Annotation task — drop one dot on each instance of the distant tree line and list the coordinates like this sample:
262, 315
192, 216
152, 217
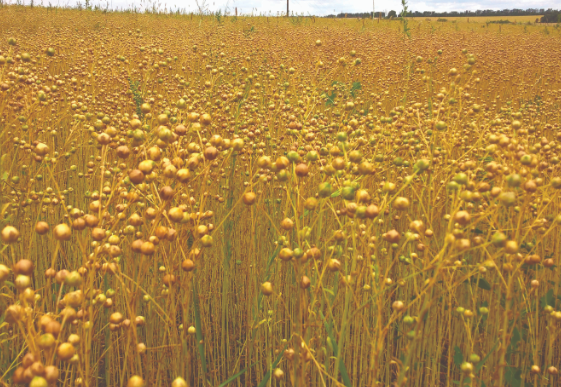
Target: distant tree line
549, 15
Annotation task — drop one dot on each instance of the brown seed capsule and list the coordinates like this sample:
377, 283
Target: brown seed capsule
334, 265
10, 234
147, 248
180, 130
98, 234
282, 163
372, 211
42, 228
136, 245
249, 198
38, 368
305, 282
169, 279
187, 265
51, 374
68, 315
210, 153
398, 306
24, 266
401, 203
62, 232
267, 288
28, 360
278, 374
286, 254
65, 351
301, 170
13, 314
462, 217
17, 377
136, 176
91, 220
179, 382
392, 236
287, 224
135, 381
314, 253
167, 193
535, 369
4, 272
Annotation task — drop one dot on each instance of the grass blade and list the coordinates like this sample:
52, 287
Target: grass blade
198, 327
274, 365
234, 377
342, 368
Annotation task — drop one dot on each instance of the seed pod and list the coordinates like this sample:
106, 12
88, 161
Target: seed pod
179, 382
65, 351
42, 228
62, 232
267, 288
24, 266
401, 203
135, 381
249, 198
10, 234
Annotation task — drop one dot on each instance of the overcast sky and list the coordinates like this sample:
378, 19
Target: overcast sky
325, 7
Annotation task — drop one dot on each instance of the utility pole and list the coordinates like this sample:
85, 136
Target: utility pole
287, 10
373, 8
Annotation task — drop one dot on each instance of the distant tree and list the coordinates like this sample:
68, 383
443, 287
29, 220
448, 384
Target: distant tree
392, 13
551, 16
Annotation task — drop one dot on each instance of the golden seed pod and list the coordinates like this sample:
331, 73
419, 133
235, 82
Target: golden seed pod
249, 198
24, 266
4, 272
401, 203
287, 224
334, 265
135, 381
187, 265
41, 228
179, 382
65, 351
267, 288
13, 314
62, 232
10, 234
38, 381
398, 306
278, 374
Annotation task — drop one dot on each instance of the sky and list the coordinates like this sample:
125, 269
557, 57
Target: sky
325, 7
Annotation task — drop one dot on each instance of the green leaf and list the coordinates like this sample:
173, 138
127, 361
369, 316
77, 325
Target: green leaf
356, 86
458, 357
512, 376
328, 291
342, 368
548, 299
234, 377
484, 284
336, 193
514, 340
5, 176
198, 327
480, 365
267, 376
